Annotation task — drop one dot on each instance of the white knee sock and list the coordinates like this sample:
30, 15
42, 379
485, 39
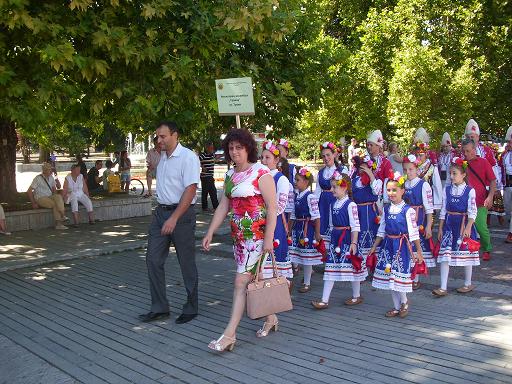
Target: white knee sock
468, 272
396, 299
403, 297
356, 289
328, 285
308, 270
417, 278
445, 269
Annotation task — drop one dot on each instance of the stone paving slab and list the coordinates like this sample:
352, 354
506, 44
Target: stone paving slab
80, 317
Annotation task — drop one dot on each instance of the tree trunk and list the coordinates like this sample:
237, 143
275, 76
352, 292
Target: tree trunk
25, 149
43, 154
8, 141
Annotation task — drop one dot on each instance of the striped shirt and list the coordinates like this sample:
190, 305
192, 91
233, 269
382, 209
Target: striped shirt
207, 164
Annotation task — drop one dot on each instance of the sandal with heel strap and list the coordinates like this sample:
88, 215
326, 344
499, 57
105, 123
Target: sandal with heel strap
223, 343
267, 328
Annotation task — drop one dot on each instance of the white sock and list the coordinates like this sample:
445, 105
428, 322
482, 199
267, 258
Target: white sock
328, 285
445, 269
468, 272
308, 270
396, 299
417, 279
356, 289
403, 297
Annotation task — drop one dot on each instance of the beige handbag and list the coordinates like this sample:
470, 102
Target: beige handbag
269, 296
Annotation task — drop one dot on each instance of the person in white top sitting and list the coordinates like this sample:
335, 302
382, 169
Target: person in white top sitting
74, 191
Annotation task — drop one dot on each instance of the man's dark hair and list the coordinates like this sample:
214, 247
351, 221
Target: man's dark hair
109, 164
98, 162
173, 127
245, 138
467, 141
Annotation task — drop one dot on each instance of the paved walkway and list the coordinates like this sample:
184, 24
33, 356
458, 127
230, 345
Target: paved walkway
75, 321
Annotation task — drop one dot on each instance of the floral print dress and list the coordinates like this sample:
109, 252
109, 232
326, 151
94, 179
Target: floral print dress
247, 215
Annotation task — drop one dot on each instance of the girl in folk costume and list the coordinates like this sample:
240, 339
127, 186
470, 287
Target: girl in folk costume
418, 195
305, 227
456, 227
366, 189
427, 167
506, 172
284, 150
400, 247
270, 158
343, 245
323, 189
444, 159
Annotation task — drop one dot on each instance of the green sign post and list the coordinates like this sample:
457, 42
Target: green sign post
235, 97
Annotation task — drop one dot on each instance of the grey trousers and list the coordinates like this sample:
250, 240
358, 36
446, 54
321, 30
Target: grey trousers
183, 239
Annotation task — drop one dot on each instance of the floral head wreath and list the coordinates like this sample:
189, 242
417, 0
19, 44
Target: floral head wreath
460, 162
422, 147
284, 143
369, 162
411, 159
305, 172
329, 145
269, 146
396, 176
337, 177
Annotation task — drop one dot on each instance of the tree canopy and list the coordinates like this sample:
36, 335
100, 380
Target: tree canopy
322, 69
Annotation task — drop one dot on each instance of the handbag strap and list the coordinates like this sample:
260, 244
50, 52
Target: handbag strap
477, 175
258, 268
42, 177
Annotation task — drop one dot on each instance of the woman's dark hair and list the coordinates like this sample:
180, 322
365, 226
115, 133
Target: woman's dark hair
245, 138
284, 167
335, 153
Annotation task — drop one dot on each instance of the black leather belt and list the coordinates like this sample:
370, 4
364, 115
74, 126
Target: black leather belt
171, 207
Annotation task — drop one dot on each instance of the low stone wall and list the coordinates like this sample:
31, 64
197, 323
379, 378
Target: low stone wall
105, 209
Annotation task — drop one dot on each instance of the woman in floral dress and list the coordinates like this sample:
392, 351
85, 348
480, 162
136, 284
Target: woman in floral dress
250, 198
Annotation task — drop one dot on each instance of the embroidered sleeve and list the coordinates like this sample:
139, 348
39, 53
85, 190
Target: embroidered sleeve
313, 206
282, 194
472, 208
353, 217
412, 226
442, 214
427, 197
376, 186
291, 199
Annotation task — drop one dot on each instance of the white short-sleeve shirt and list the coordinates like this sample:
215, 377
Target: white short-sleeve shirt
41, 188
175, 173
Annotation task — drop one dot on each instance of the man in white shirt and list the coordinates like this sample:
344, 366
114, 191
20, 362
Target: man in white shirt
43, 192
174, 221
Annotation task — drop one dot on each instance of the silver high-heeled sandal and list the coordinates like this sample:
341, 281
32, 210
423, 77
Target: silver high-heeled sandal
223, 343
267, 327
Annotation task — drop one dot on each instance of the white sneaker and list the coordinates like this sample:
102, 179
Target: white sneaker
60, 226
5, 233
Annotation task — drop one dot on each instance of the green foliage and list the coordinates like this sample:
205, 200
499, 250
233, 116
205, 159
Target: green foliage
412, 63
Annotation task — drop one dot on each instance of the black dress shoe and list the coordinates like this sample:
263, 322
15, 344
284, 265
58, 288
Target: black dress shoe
184, 318
152, 316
